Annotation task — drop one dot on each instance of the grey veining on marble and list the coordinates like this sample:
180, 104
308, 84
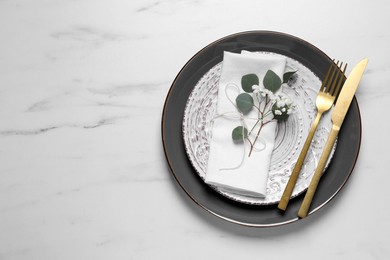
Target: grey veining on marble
82, 169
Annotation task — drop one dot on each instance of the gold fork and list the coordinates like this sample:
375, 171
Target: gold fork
329, 91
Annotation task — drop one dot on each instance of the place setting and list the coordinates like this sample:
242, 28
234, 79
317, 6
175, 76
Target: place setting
262, 128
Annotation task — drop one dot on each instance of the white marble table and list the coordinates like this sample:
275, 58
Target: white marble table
82, 169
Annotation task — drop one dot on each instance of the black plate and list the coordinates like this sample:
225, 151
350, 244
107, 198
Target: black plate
333, 180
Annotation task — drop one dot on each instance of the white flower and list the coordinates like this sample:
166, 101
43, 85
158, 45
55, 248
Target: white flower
283, 109
273, 97
256, 88
263, 91
278, 112
268, 92
280, 103
288, 101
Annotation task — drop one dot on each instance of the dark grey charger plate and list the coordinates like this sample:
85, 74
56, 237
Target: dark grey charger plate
336, 174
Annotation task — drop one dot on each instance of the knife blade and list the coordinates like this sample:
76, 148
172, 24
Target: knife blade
340, 110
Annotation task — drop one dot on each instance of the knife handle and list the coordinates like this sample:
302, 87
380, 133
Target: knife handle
298, 166
304, 209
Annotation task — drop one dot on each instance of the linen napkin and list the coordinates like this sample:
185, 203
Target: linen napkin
251, 175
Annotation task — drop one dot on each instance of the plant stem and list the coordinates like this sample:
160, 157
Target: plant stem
262, 115
257, 136
258, 120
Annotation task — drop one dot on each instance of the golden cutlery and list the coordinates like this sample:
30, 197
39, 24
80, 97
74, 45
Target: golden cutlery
328, 93
342, 105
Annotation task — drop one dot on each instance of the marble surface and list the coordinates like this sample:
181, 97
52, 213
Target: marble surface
82, 169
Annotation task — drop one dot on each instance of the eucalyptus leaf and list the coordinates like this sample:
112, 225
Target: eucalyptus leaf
244, 102
247, 81
239, 133
272, 81
288, 75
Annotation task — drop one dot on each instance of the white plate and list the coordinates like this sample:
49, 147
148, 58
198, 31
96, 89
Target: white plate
302, 88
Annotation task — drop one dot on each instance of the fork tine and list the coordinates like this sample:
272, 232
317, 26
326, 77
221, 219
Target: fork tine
340, 80
333, 78
326, 79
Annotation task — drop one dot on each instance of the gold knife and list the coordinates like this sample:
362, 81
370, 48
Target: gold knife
340, 110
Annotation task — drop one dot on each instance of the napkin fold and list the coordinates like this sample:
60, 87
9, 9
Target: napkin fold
228, 168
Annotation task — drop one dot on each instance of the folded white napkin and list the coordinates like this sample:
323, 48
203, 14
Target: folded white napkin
250, 178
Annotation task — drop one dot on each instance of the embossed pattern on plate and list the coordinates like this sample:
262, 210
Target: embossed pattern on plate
302, 88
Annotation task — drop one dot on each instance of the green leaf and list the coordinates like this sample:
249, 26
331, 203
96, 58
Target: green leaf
247, 81
244, 102
288, 75
239, 133
272, 81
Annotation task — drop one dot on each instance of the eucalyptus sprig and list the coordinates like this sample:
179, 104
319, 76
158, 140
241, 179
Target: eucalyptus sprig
264, 98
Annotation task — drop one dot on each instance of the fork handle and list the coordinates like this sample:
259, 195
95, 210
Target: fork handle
304, 209
298, 165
